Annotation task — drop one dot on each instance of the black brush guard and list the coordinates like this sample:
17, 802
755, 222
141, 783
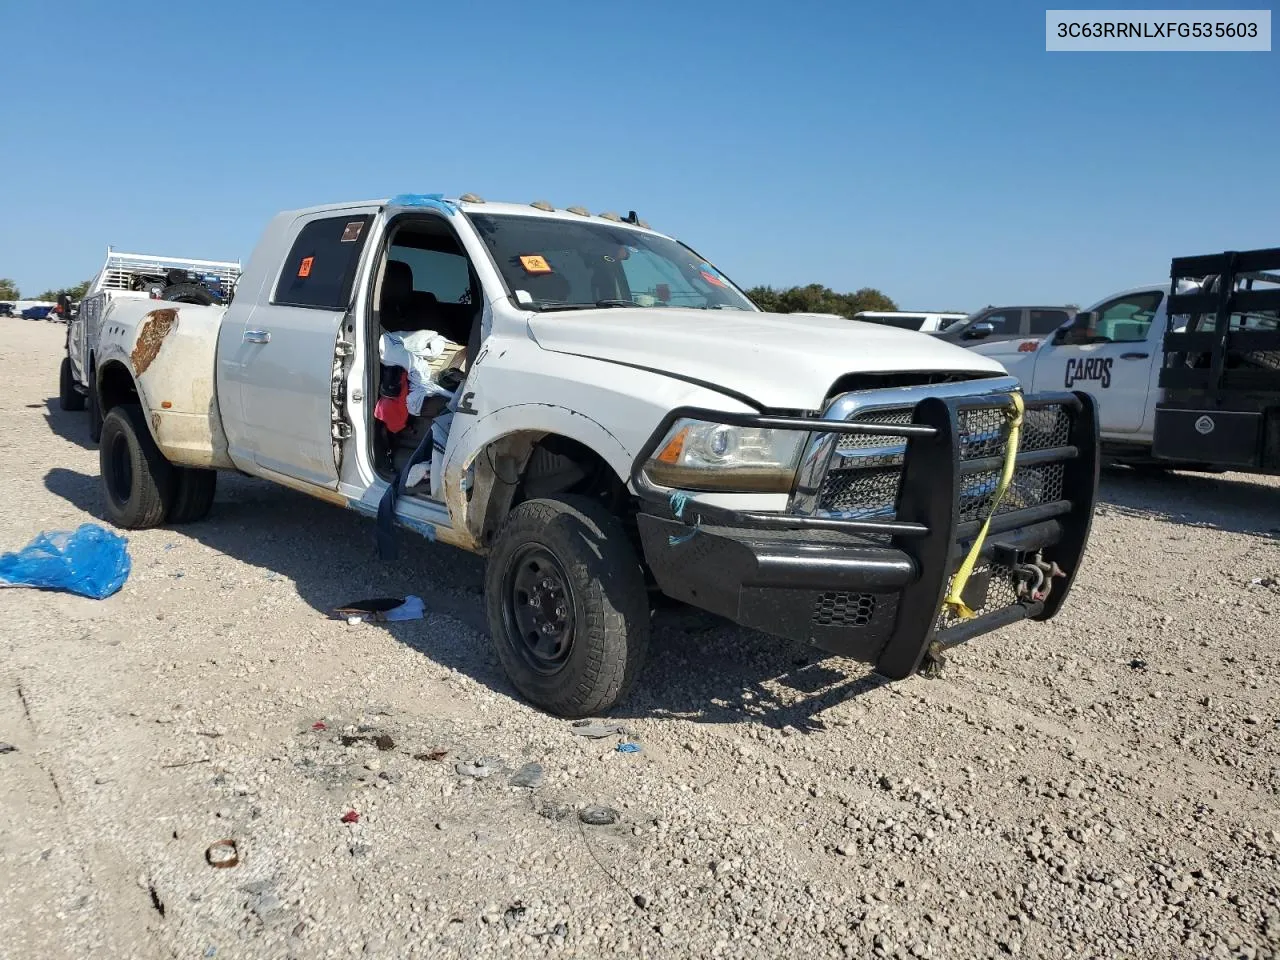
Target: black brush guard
873, 590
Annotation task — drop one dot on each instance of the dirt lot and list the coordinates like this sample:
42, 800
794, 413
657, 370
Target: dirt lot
1104, 786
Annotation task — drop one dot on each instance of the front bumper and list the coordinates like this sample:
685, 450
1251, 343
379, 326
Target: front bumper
873, 590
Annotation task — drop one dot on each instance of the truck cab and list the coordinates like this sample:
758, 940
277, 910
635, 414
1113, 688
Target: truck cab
606, 417
1113, 351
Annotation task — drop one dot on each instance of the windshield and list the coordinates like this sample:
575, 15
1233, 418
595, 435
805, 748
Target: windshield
555, 264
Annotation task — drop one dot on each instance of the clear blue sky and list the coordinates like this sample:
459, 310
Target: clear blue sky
932, 150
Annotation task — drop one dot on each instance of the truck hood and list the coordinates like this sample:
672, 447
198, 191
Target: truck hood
782, 361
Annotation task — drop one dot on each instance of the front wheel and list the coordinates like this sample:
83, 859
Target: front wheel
567, 605
138, 483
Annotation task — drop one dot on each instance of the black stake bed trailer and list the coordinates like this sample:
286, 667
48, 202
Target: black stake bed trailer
1220, 378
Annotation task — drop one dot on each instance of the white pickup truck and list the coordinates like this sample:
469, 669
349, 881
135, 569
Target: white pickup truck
615, 420
137, 276
1118, 351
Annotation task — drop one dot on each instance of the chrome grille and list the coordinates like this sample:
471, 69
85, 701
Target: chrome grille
862, 479
897, 417
1030, 486
861, 493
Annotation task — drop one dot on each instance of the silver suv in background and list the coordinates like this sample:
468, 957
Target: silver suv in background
991, 324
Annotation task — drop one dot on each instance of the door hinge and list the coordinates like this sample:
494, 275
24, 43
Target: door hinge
341, 430
344, 349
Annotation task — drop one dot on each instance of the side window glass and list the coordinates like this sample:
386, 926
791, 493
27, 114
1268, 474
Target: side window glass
321, 267
1006, 322
1044, 322
443, 275
1128, 319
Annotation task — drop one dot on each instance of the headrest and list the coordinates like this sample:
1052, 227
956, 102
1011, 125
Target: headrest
397, 281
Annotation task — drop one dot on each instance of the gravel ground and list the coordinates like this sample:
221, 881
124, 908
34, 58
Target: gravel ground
1107, 785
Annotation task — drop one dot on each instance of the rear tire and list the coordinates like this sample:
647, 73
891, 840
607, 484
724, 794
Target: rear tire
138, 483
69, 398
188, 293
193, 497
567, 605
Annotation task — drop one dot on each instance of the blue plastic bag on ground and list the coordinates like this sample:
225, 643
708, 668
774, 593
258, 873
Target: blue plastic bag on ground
91, 562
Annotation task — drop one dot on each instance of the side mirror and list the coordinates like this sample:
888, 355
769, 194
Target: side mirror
1083, 329
979, 331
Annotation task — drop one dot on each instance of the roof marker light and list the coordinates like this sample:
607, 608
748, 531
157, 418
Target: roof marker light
541, 205
580, 211
611, 216
471, 198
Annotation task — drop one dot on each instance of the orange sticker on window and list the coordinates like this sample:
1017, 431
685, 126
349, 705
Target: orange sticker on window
304, 268
535, 264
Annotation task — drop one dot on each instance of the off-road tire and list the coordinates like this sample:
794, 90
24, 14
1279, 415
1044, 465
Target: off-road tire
69, 398
95, 410
609, 604
138, 483
193, 496
188, 293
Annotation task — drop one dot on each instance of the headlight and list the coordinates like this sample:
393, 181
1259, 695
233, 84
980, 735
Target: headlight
697, 455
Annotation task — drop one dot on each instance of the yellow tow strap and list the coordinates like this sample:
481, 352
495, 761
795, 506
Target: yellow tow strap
961, 579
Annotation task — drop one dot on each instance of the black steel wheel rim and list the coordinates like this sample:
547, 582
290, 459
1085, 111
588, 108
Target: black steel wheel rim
120, 467
538, 609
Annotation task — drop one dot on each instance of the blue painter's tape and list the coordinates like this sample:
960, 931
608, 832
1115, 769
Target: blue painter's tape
434, 200
421, 527
680, 500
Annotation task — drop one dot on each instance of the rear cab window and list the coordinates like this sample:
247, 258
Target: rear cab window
321, 268
1045, 322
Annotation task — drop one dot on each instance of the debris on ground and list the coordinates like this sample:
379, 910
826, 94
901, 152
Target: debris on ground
156, 903
598, 816
555, 811
7, 747
351, 817
90, 561
265, 903
382, 610
477, 771
383, 741
530, 775
596, 729
628, 748
438, 754
319, 725
223, 854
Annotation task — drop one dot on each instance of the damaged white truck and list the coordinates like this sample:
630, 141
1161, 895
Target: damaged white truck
607, 418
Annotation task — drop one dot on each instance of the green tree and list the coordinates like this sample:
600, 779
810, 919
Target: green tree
816, 298
75, 293
9, 290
